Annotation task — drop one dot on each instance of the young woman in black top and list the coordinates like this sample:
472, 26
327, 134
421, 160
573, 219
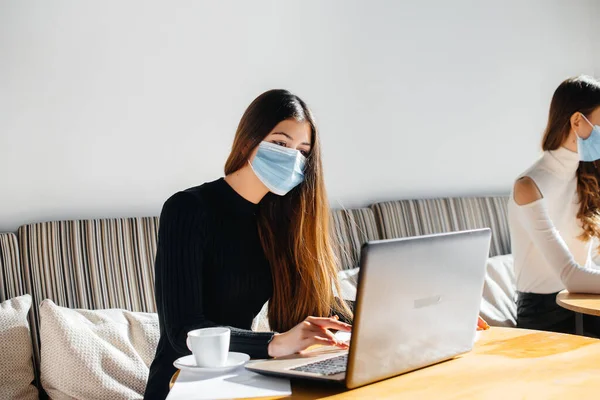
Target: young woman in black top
261, 233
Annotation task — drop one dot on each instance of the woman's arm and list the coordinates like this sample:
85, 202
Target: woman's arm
179, 284
533, 214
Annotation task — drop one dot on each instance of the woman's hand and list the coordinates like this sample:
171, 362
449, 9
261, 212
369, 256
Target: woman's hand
311, 331
482, 325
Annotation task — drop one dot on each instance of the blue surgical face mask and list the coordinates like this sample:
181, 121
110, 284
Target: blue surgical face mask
279, 168
589, 149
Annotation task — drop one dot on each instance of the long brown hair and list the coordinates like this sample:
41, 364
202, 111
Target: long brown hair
580, 94
294, 229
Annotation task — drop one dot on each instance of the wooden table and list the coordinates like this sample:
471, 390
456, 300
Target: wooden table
581, 304
506, 363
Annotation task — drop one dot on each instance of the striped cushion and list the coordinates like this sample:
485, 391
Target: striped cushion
351, 229
11, 279
420, 217
91, 264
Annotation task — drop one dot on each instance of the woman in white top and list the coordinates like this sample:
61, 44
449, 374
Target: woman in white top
554, 212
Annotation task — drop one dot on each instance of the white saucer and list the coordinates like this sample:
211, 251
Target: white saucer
234, 360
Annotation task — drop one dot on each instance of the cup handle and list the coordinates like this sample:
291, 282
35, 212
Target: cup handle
187, 342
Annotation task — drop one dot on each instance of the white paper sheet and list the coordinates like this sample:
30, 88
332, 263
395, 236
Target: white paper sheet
239, 383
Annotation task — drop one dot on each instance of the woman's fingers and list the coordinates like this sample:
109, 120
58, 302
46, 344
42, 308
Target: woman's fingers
330, 323
314, 340
317, 330
323, 341
311, 330
482, 325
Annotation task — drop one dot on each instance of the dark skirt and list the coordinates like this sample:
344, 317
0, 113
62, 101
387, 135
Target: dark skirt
540, 312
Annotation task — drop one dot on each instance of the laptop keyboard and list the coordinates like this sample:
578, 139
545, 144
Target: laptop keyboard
331, 366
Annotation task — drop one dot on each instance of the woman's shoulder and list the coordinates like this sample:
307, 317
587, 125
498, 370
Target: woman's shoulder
538, 172
194, 200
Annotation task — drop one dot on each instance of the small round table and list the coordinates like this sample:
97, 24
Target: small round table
581, 304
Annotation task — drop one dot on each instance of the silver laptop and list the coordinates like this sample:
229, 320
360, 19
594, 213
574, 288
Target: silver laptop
417, 304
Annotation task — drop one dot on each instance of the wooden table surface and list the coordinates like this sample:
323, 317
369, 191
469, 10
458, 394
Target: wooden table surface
581, 303
506, 363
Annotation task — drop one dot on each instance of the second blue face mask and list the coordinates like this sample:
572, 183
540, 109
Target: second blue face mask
589, 149
280, 169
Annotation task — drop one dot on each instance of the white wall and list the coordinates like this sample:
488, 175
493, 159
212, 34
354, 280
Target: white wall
107, 108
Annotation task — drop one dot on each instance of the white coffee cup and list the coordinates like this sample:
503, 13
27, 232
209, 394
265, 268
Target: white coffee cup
210, 346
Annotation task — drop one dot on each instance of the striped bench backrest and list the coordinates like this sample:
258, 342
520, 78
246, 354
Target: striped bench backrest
405, 218
11, 279
350, 230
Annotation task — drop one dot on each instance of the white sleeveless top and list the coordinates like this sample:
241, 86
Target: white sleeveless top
549, 256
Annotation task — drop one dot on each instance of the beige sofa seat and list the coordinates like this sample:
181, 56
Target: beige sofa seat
109, 263
89, 264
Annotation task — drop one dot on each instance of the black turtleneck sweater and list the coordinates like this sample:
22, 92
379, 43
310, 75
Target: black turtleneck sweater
210, 271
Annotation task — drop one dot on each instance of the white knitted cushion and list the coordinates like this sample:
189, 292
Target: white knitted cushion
348, 281
261, 321
498, 306
101, 354
16, 365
